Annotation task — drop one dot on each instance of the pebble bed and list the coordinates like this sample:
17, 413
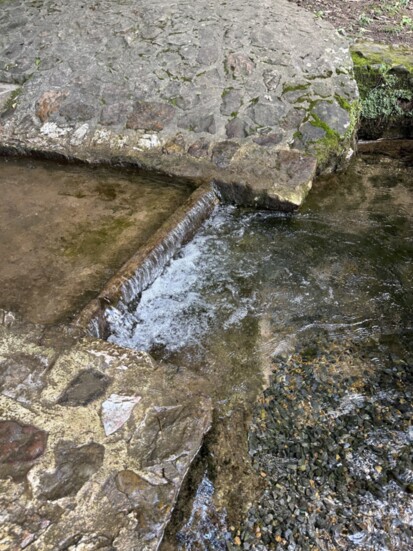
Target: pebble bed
333, 439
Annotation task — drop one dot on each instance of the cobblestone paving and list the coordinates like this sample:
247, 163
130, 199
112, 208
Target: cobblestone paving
208, 90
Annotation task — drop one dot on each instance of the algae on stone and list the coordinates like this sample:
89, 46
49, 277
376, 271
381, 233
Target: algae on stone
385, 79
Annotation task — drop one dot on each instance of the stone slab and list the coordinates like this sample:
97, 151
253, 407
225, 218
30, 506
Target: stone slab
209, 91
95, 442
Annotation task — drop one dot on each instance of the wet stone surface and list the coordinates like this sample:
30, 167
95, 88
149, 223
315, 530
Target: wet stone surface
126, 84
66, 481
65, 230
20, 446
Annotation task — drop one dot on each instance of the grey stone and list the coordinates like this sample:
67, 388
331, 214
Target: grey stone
337, 118
311, 133
223, 153
267, 114
74, 467
269, 139
114, 114
231, 102
199, 148
150, 115
236, 128
198, 124
86, 387
78, 111
177, 68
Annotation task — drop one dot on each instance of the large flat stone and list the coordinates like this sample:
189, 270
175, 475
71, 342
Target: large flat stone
65, 480
148, 85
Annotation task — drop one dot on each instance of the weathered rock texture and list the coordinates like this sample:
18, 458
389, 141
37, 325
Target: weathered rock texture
95, 442
385, 79
211, 91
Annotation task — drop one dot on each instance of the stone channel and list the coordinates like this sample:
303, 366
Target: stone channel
127, 399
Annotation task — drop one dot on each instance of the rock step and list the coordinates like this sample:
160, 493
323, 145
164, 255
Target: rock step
208, 91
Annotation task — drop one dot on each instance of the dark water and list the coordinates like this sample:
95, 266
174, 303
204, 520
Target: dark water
259, 295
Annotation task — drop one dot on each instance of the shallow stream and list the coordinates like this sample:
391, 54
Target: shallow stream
316, 307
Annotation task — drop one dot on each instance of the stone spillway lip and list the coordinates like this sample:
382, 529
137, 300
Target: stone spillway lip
227, 92
125, 287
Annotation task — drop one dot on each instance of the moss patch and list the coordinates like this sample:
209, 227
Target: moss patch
332, 146
92, 243
385, 79
11, 103
294, 87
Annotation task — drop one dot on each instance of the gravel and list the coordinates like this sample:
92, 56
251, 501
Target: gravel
332, 437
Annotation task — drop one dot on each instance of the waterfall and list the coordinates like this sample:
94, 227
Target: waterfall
113, 310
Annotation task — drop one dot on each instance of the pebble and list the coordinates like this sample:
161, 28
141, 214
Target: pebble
327, 463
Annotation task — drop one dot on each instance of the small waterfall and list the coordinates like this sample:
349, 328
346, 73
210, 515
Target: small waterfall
112, 311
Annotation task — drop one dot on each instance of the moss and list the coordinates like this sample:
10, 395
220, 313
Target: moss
294, 87
226, 91
384, 76
11, 103
343, 103
386, 55
332, 145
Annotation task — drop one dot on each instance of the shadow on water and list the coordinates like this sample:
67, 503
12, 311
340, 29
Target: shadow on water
318, 305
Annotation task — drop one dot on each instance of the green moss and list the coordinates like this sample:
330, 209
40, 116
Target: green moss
92, 243
387, 55
343, 103
226, 91
294, 87
386, 94
11, 103
332, 145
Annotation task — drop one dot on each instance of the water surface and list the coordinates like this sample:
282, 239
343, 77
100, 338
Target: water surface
66, 229
318, 304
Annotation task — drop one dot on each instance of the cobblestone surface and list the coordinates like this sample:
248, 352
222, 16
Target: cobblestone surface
208, 90
95, 441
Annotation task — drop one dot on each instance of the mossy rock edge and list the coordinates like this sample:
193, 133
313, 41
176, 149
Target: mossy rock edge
384, 76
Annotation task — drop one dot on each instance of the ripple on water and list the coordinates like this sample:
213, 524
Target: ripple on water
320, 301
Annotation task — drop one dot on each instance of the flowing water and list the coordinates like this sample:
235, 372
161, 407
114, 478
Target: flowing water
318, 307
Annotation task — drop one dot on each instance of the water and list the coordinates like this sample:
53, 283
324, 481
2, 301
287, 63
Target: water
157, 254
256, 294
250, 283
65, 230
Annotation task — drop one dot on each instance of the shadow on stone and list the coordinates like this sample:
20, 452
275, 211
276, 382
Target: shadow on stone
85, 388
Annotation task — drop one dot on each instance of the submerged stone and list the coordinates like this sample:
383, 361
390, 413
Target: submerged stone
116, 410
85, 387
74, 467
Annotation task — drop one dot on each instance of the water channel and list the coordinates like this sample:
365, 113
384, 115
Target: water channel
315, 308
